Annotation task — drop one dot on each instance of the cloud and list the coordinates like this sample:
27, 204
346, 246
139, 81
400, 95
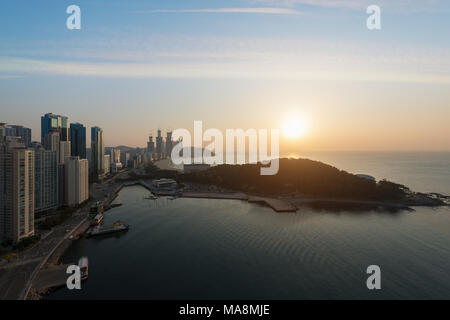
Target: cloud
287, 11
321, 3
5, 76
274, 68
392, 5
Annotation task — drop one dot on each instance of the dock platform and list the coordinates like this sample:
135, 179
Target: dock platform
277, 205
106, 230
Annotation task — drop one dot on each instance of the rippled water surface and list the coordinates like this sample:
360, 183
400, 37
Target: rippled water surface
214, 249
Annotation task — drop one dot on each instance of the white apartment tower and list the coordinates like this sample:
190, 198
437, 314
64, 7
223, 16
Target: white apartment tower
76, 181
16, 190
64, 151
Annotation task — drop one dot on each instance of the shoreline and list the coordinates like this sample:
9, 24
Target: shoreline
33, 291
413, 199
289, 204
52, 259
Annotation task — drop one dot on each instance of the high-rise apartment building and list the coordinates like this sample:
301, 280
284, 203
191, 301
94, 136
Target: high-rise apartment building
19, 131
97, 152
76, 181
52, 142
78, 140
2, 131
159, 144
169, 144
45, 179
61, 185
64, 151
150, 145
127, 158
53, 122
115, 155
106, 163
16, 190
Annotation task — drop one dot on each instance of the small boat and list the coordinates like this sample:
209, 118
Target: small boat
83, 263
97, 220
118, 226
151, 197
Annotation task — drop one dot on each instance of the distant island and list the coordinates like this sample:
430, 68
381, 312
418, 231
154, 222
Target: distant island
303, 178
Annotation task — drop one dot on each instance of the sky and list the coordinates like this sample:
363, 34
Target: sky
135, 66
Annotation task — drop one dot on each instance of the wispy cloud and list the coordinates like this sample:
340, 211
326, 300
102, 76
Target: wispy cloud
320, 3
277, 69
212, 57
392, 5
5, 76
288, 11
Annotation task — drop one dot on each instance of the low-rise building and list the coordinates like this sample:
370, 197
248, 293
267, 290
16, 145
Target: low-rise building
116, 167
164, 184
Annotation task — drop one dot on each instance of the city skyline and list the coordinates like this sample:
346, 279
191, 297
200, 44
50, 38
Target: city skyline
234, 64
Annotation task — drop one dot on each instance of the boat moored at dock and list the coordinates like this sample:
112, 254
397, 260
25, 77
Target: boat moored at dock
117, 227
97, 220
83, 263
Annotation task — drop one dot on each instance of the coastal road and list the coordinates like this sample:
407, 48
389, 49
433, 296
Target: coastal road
15, 276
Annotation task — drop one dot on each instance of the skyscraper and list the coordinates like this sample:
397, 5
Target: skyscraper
106, 163
127, 158
78, 140
53, 122
19, 131
64, 151
16, 190
159, 144
52, 142
2, 131
169, 143
97, 152
115, 155
150, 145
76, 172
45, 179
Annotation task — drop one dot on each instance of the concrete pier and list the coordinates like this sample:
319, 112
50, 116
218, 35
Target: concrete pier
276, 204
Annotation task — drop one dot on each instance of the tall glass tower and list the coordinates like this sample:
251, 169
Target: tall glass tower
78, 140
97, 151
54, 122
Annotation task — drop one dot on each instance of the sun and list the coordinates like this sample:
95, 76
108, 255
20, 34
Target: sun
295, 127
